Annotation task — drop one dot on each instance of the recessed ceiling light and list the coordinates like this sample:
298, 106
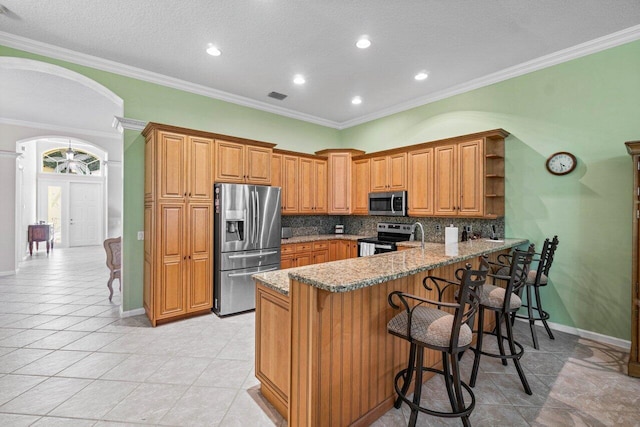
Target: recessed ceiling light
213, 51
356, 100
363, 42
422, 75
299, 79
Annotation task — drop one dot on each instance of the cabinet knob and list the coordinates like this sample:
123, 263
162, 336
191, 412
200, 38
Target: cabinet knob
185, 257
185, 194
189, 194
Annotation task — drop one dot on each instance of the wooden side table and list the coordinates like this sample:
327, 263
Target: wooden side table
40, 233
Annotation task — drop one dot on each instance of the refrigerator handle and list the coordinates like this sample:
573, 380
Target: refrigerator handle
254, 216
257, 216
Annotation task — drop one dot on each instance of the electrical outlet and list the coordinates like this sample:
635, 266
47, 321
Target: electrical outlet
140, 235
467, 228
437, 227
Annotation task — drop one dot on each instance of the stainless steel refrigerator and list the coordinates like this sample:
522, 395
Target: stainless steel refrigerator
247, 241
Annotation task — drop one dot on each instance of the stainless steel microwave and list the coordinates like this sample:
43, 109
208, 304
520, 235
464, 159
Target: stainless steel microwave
388, 204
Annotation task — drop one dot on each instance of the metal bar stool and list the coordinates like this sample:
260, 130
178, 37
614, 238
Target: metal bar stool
535, 279
503, 302
436, 329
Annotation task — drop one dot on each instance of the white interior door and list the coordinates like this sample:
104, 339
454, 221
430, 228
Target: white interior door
85, 214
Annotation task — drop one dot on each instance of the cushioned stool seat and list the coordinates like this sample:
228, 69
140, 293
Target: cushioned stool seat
531, 278
493, 296
430, 326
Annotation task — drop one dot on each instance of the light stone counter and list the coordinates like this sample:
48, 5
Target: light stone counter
355, 273
320, 237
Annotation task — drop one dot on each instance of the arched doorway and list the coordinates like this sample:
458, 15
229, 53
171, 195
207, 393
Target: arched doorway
42, 100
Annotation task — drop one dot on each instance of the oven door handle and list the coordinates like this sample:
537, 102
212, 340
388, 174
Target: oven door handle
392, 210
384, 247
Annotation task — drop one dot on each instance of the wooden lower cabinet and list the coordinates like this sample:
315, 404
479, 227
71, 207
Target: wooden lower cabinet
273, 346
301, 254
342, 249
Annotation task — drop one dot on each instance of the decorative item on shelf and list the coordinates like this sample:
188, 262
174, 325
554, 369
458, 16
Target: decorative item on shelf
561, 163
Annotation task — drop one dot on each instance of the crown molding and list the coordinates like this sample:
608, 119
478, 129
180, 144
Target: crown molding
58, 128
56, 52
122, 123
593, 46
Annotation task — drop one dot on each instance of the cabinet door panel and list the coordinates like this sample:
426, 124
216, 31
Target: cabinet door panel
171, 160
360, 184
378, 178
306, 198
200, 287
290, 184
287, 262
397, 173
339, 183
149, 167
421, 182
303, 259
149, 261
276, 170
258, 168
321, 256
200, 168
171, 298
445, 201
471, 173
319, 188
229, 160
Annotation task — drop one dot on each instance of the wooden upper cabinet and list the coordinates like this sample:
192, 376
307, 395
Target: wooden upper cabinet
276, 170
229, 158
289, 196
360, 182
445, 180
389, 173
171, 152
420, 185
242, 163
339, 183
258, 165
200, 169
312, 184
459, 179
471, 179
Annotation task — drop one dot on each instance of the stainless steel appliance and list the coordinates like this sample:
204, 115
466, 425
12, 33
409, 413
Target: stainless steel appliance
388, 204
388, 235
247, 241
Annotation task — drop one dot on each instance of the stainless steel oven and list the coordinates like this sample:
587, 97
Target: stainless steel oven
388, 235
388, 204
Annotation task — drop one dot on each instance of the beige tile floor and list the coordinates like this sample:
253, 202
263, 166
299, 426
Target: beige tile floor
67, 359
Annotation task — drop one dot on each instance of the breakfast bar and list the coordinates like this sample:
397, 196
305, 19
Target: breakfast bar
323, 354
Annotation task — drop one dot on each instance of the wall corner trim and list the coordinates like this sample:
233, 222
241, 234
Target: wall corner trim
131, 313
594, 336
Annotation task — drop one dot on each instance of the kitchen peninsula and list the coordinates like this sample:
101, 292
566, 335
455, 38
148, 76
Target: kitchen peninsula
323, 354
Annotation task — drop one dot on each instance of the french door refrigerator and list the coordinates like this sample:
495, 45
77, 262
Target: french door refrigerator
247, 241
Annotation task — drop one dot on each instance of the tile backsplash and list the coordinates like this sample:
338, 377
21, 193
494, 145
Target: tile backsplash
303, 225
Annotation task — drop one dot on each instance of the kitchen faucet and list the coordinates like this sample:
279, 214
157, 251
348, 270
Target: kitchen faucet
421, 232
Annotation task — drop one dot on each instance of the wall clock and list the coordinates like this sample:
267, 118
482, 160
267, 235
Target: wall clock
561, 163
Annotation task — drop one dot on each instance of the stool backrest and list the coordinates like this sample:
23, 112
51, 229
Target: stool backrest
520, 265
546, 257
468, 300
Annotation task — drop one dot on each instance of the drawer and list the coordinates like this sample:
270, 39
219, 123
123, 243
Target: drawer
287, 249
304, 247
320, 245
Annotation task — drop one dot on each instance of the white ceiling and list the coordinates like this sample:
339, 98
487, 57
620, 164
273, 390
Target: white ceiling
461, 43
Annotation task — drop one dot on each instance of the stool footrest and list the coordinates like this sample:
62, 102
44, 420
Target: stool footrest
518, 355
542, 315
465, 412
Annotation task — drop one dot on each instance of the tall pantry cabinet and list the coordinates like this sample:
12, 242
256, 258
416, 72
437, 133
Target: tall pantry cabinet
178, 222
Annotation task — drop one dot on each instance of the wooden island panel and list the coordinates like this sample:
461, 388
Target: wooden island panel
343, 361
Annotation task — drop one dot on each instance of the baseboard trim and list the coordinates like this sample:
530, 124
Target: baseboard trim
594, 336
131, 313
8, 273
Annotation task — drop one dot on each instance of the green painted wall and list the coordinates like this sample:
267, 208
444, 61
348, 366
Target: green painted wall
151, 102
589, 106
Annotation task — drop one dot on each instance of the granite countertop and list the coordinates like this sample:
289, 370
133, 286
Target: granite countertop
355, 273
320, 237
